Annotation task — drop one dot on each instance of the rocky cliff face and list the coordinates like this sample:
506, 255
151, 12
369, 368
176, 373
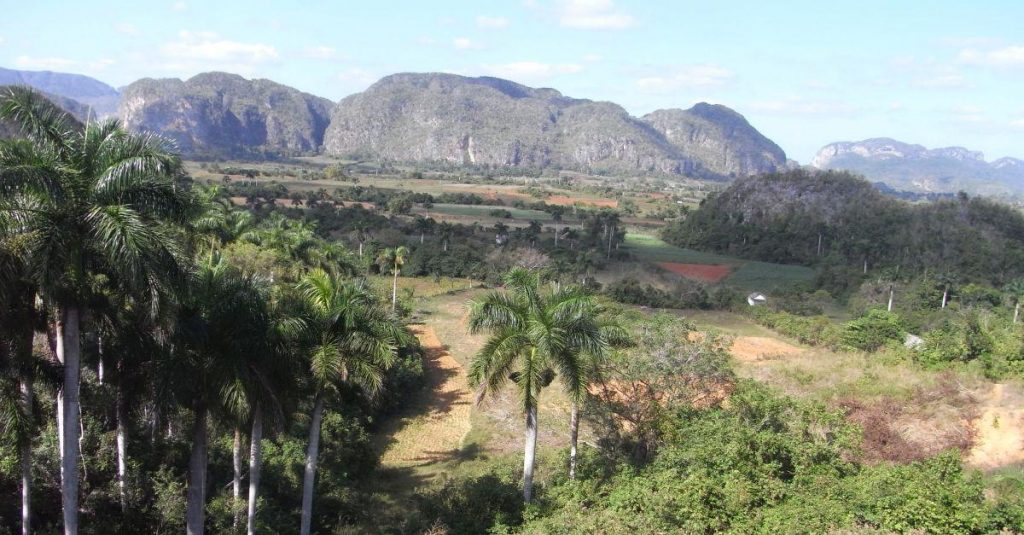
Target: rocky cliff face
909, 167
719, 139
444, 117
218, 114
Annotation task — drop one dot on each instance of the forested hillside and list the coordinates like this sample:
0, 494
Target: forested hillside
838, 219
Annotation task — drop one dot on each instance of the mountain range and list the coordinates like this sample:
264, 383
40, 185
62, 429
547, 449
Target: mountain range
907, 167
484, 121
425, 117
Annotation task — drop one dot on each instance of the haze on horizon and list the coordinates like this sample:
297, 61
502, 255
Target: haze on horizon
935, 73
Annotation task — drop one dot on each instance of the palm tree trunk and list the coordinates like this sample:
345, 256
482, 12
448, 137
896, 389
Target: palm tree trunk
99, 352
236, 481
421, 238
196, 509
1016, 312
574, 436
25, 457
67, 330
309, 478
889, 308
122, 442
255, 460
360, 249
530, 452
945, 296
394, 292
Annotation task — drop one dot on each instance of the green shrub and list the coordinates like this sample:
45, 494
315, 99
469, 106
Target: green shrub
872, 330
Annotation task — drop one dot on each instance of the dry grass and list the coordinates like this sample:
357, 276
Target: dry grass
497, 423
435, 433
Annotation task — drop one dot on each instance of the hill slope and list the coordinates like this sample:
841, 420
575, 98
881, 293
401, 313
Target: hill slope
908, 167
221, 114
445, 117
91, 92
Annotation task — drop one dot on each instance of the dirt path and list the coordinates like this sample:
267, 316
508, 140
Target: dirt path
999, 439
436, 433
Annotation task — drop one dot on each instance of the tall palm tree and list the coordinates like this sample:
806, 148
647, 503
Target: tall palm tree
533, 334
88, 199
18, 321
1015, 289
423, 226
347, 337
221, 327
446, 230
393, 260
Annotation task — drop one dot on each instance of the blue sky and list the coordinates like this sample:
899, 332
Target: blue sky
808, 73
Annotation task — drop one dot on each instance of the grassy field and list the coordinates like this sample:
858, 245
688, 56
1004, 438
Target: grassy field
746, 275
484, 211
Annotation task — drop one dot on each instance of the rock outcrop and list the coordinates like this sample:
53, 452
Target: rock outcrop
489, 121
908, 167
219, 114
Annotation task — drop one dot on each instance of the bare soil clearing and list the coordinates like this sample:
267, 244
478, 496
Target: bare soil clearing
758, 349
999, 439
437, 433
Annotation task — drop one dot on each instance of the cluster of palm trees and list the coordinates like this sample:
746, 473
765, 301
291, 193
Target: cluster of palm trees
189, 307
536, 334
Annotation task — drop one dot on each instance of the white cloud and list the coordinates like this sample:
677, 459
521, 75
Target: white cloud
531, 70
592, 58
593, 15
802, 106
465, 43
208, 46
357, 76
967, 113
940, 81
484, 21
47, 64
126, 28
320, 52
101, 64
179, 6
686, 77
1008, 56
1019, 123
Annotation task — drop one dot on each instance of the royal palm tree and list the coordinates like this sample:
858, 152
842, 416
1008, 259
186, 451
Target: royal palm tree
1015, 289
393, 260
423, 226
446, 230
18, 321
534, 333
87, 199
347, 336
590, 363
221, 329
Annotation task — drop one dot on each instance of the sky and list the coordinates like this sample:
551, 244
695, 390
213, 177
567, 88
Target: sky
804, 73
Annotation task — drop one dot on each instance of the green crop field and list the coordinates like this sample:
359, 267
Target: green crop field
469, 210
746, 275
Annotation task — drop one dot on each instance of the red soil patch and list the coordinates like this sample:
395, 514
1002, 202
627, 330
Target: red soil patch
711, 273
565, 200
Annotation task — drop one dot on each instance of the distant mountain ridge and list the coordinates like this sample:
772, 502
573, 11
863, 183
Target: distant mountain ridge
422, 117
445, 117
90, 92
219, 114
909, 167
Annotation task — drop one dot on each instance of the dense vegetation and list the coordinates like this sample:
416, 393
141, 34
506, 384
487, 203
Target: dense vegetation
840, 223
174, 359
